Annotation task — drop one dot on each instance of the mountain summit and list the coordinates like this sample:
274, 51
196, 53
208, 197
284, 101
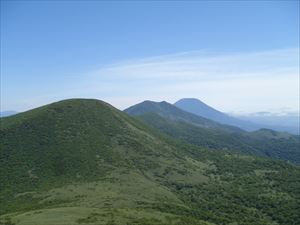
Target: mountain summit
199, 108
171, 112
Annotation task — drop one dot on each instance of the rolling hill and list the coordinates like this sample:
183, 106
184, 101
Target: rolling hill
81, 161
177, 123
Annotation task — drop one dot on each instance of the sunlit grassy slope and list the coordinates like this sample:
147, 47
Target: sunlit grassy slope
84, 162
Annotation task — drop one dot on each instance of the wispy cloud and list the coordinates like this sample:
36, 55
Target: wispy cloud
249, 82
229, 81
205, 66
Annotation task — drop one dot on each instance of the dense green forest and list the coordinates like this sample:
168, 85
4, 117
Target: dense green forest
85, 162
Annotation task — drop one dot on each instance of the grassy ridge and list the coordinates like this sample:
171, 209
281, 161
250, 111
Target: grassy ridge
84, 162
263, 142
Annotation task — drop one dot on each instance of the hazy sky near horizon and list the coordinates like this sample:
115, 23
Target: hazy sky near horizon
235, 56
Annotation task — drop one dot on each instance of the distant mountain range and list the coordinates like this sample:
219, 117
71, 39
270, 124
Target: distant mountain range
207, 133
249, 123
172, 112
289, 122
82, 161
7, 113
199, 108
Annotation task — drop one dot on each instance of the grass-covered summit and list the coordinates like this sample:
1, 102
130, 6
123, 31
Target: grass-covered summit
78, 139
82, 161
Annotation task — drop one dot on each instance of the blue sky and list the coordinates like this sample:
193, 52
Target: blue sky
235, 56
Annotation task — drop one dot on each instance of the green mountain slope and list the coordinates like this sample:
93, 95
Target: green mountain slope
169, 119
171, 112
84, 162
203, 137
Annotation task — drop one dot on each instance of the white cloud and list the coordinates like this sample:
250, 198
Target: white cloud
230, 82
252, 81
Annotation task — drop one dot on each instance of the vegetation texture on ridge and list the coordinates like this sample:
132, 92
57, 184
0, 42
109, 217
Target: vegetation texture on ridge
209, 134
82, 161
